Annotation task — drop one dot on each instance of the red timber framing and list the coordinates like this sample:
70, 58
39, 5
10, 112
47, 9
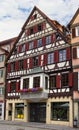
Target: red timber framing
41, 45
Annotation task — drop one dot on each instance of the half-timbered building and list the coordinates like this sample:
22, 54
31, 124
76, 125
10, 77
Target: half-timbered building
74, 29
39, 77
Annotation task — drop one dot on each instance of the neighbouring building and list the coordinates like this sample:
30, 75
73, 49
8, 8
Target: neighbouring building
74, 28
5, 47
39, 78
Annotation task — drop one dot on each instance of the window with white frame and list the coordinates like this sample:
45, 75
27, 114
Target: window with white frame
77, 31
1, 73
1, 90
39, 42
62, 55
1, 58
50, 58
48, 39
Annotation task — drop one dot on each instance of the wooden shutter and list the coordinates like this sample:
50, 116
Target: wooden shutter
73, 33
57, 81
35, 43
26, 46
74, 53
16, 65
43, 41
52, 38
70, 79
8, 87
25, 64
8, 67
35, 29
45, 59
39, 60
67, 53
30, 63
56, 56
17, 86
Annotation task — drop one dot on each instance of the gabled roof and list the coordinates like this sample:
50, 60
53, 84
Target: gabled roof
53, 23
8, 41
73, 18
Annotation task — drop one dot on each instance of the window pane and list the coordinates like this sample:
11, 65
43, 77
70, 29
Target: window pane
30, 45
39, 42
50, 58
1, 58
1, 73
64, 80
12, 66
52, 82
36, 82
35, 61
62, 55
26, 83
19, 110
13, 86
48, 39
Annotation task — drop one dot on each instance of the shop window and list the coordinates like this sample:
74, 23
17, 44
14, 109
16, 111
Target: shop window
13, 87
35, 61
50, 58
60, 111
21, 65
26, 83
39, 42
64, 80
12, 66
48, 39
36, 82
62, 55
52, 82
19, 110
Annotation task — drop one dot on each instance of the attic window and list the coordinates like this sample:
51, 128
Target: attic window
35, 16
39, 28
31, 31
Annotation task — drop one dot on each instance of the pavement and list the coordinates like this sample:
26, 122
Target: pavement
37, 125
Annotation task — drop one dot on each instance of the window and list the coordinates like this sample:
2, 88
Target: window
62, 55
19, 110
23, 48
21, 65
52, 82
26, 83
50, 59
60, 111
48, 39
31, 44
12, 66
35, 16
64, 80
31, 31
77, 31
35, 61
1, 90
1, 58
39, 27
39, 42
1, 73
13, 86
46, 82
36, 82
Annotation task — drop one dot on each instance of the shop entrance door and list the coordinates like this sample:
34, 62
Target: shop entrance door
37, 112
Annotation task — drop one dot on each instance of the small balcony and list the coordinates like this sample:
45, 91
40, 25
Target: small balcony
33, 94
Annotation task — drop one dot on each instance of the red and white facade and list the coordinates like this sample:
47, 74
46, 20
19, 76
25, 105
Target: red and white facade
39, 73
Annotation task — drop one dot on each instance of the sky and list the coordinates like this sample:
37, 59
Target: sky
14, 13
